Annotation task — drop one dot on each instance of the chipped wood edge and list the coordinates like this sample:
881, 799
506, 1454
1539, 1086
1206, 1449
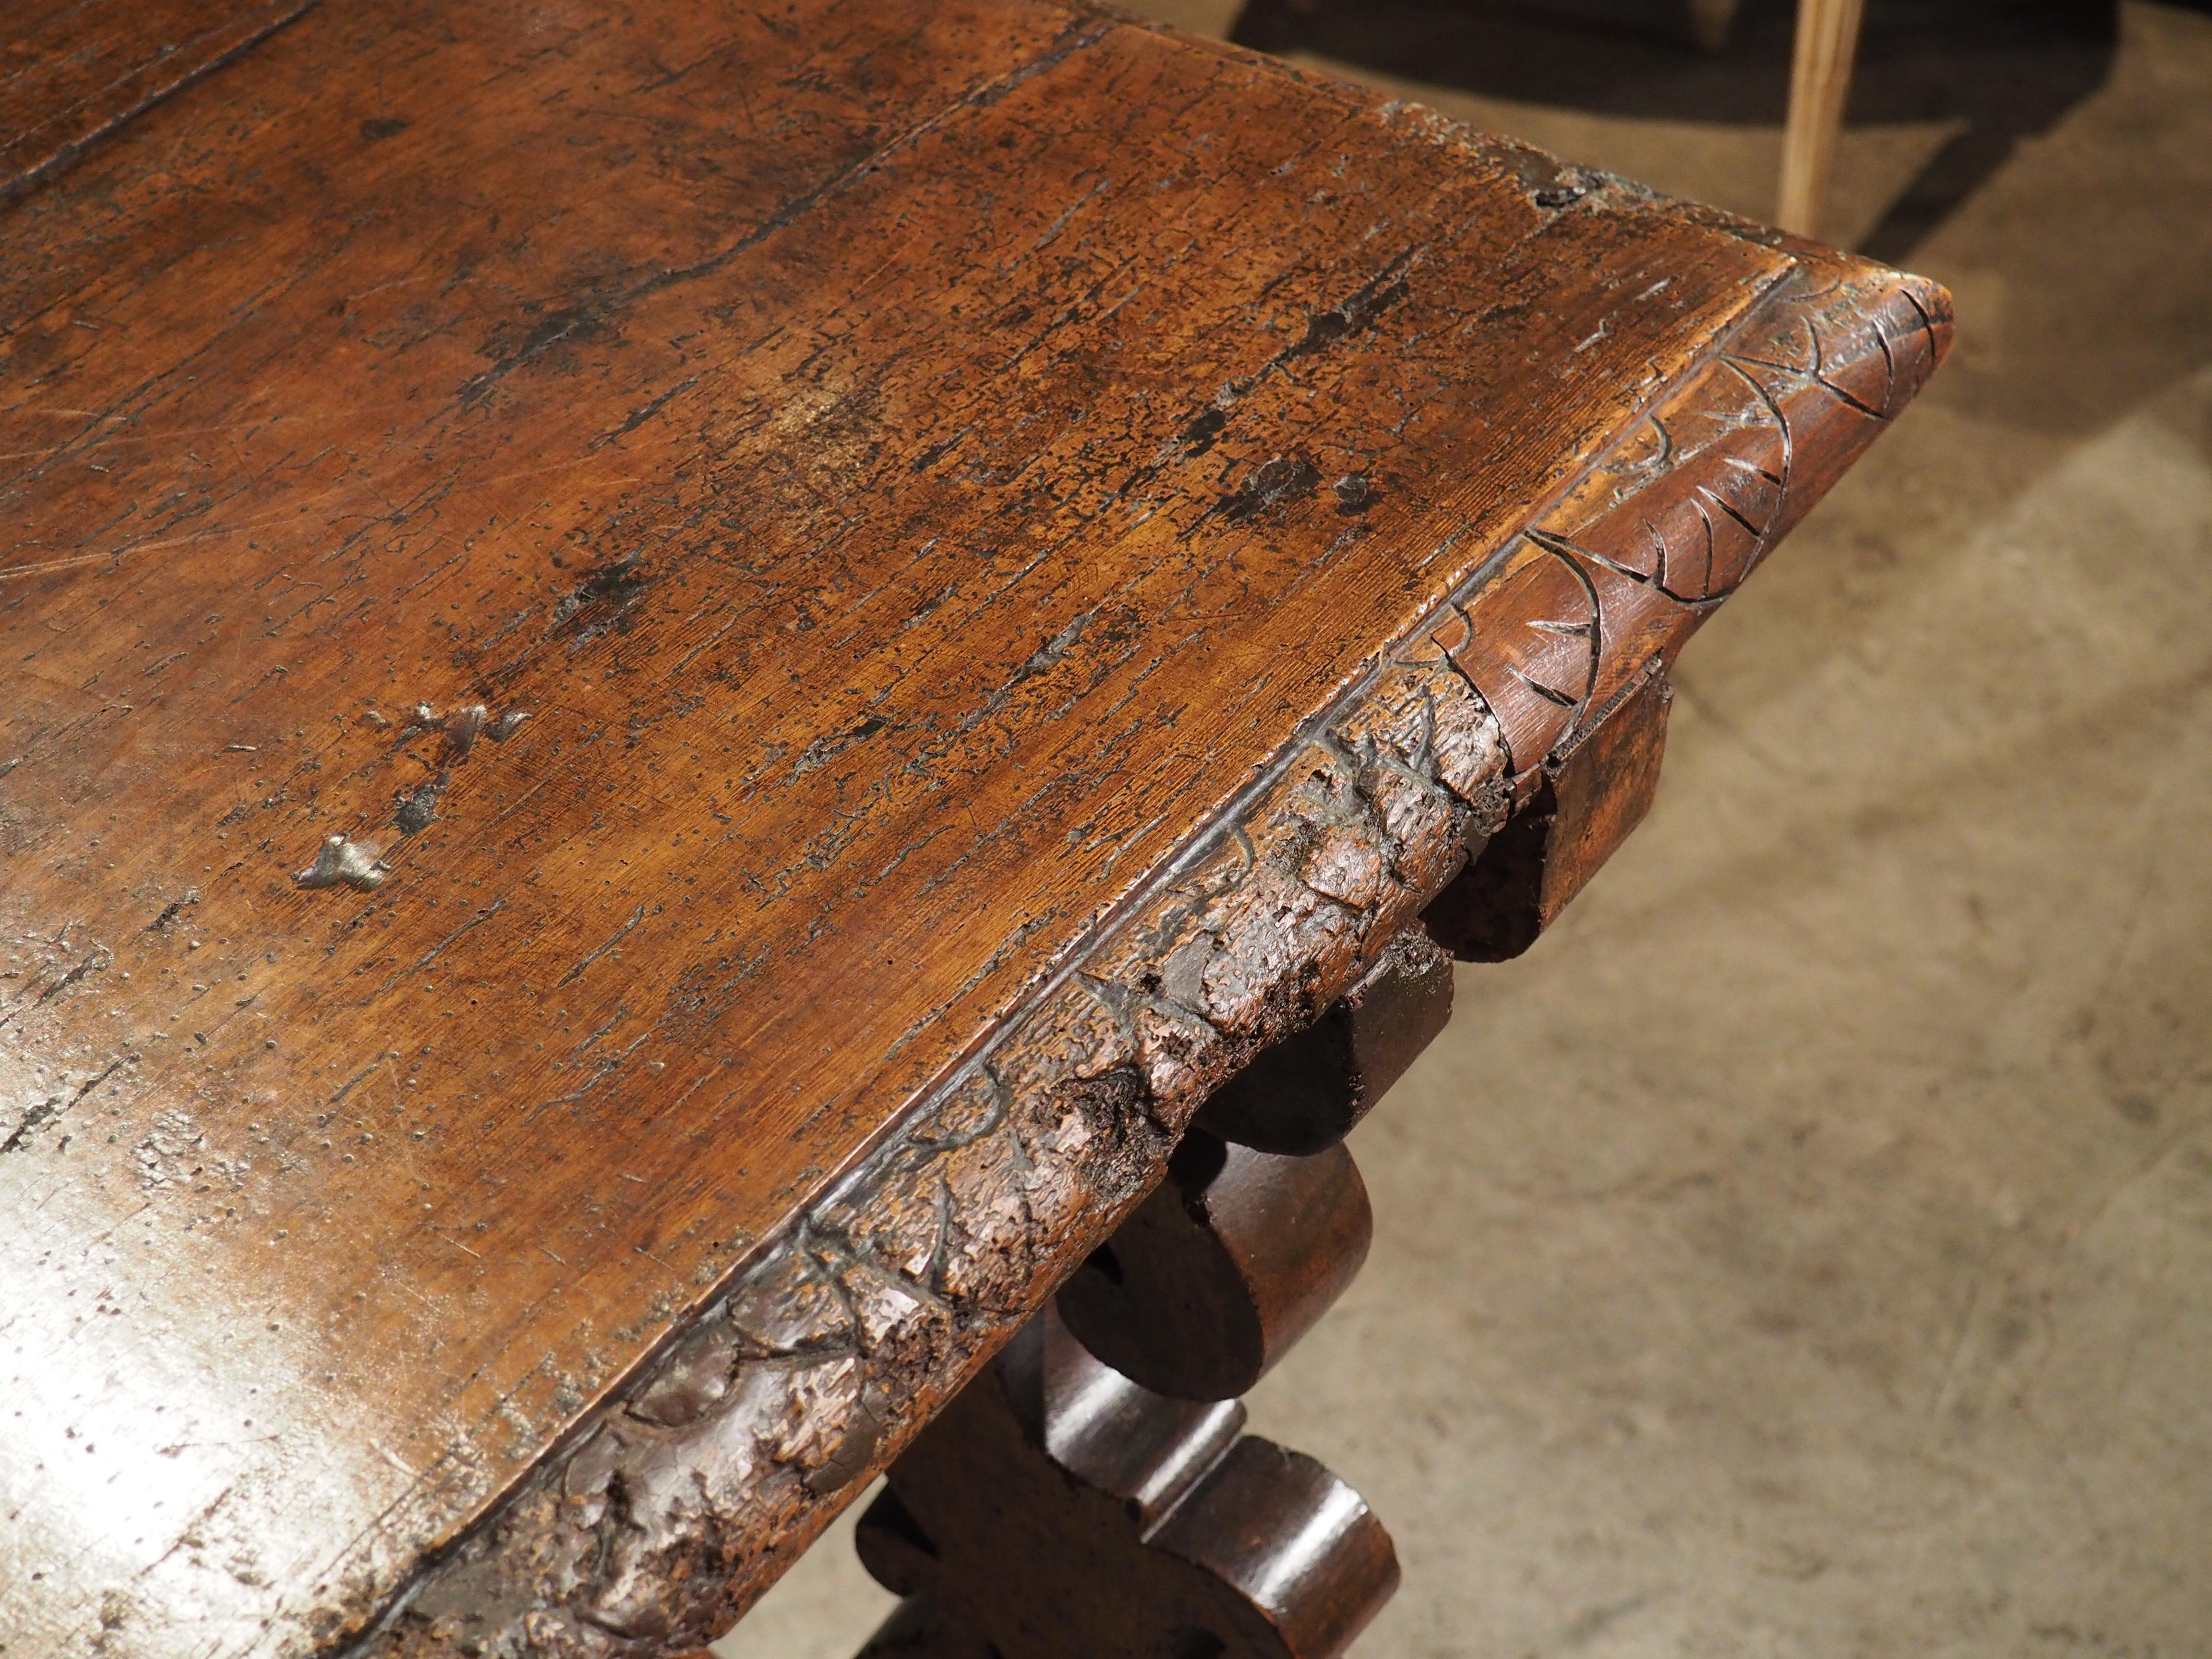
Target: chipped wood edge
690, 1489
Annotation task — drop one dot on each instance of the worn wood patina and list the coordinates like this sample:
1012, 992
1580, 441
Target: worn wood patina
676, 682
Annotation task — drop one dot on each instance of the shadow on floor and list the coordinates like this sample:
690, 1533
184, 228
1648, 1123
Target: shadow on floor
2007, 69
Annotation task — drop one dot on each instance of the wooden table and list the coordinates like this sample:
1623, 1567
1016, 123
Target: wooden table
677, 684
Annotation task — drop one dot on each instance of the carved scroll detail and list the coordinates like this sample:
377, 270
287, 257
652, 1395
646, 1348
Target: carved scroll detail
1608, 581
646, 1535
1671, 520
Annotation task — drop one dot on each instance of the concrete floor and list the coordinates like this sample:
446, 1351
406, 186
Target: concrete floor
1806, 1250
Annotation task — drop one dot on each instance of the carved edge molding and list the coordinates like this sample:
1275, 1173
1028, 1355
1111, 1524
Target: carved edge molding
698, 1482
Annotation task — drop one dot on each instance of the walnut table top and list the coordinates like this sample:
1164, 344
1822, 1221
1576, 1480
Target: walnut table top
673, 681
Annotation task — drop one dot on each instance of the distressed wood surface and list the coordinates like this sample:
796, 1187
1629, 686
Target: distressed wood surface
73, 71
1309, 1089
675, 683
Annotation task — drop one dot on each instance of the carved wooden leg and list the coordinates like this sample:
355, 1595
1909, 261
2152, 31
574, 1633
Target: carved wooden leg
1092, 1495
1226, 1265
1589, 794
1058, 1510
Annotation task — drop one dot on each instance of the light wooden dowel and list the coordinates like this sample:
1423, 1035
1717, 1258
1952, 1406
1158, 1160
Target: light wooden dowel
1819, 83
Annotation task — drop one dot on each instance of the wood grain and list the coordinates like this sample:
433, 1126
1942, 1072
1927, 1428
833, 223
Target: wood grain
859, 1325
74, 71
980, 536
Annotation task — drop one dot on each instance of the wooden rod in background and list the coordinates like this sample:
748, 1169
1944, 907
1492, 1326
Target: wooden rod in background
1819, 83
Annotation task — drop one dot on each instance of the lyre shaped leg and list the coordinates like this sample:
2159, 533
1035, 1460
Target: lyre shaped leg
1057, 1510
